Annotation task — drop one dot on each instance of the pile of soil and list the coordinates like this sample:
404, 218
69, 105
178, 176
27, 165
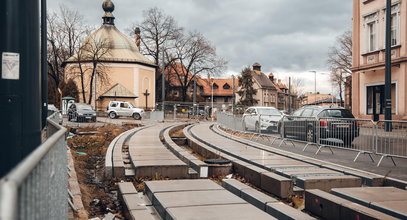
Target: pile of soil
99, 195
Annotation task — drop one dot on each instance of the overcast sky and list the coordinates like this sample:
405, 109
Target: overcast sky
287, 37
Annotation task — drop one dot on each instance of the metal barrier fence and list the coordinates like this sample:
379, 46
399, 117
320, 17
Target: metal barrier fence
384, 138
391, 139
37, 187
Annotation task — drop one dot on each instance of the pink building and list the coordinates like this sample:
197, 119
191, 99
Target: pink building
368, 59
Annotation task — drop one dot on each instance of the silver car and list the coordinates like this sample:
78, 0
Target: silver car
260, 119
117, 109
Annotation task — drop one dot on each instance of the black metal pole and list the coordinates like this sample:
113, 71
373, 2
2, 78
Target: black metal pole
20, 93
194, 110
387, 90
44, 69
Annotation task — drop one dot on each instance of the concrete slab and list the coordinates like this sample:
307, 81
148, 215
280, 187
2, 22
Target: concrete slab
282, 211
276, 184
154, 157
234, 186
326, 183
356, 211
304, 172
165, 170
155, 163
256, 198
166, 200
213, 212
323, 204
179, 185
279, 162
126, 188
142, 215
367, 195
134, 202
253, 174
397, 209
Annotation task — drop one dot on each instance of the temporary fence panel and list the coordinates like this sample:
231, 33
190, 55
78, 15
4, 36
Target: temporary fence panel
391, 139
37, 187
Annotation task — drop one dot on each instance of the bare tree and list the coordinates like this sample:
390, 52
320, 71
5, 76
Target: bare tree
194, 53
87, 65
340, 61
158, 31
65, 31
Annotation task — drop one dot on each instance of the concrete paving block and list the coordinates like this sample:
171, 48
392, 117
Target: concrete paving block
142, 215
282, 211
253, 174
397, 209
319, 171
355, 211
273, 162
368, 179
276, 184
166, 200
323, 204
179, 185
154, 157
367, 195
326, 183
216, 212
239, 167
133, 202
256, 198
118, 168
234, 186
126, 188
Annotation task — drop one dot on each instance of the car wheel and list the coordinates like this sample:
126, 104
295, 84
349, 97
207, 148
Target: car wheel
310, 135
257, 127
94, 119
69, 118
137, 116
112, 115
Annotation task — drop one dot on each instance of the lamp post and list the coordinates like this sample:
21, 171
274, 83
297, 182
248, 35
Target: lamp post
212, 99
387, 88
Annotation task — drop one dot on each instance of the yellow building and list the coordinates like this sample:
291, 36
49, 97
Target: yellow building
122, 73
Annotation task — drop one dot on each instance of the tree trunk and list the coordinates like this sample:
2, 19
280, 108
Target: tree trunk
184, 94
91, 82
340, 93
82, 82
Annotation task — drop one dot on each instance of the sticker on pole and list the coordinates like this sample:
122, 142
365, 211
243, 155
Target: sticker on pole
10, 65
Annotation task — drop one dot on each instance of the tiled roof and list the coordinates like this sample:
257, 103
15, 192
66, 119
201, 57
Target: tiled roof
263, 80
222, 89
118, 91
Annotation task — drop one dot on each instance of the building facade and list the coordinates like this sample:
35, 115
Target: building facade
127, 74
368, 74
271, 91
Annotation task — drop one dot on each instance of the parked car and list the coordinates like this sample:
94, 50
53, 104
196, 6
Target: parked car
117, 109
81, 112
261, 119
335, 125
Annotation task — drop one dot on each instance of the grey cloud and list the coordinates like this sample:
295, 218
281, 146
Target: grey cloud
288, 35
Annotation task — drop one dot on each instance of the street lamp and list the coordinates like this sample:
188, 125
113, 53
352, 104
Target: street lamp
212, 99
315, 81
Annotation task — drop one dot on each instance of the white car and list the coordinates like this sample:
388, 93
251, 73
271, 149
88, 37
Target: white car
117, 109
261, 119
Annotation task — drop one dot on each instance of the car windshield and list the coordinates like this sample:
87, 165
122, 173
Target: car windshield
268, 111
84, 107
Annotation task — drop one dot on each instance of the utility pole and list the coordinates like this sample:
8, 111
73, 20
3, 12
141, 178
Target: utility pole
163, 84
387, 89
289, 94
20, 81
194, 110
233, 94
44, 66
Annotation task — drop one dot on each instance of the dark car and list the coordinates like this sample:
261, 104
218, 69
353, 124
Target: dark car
81, 112
332, 125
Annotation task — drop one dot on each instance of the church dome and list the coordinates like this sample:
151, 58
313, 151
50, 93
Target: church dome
114, 45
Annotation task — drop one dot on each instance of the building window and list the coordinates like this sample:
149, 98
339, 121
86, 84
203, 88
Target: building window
370, 24
226, 86
371, 36
215, 86
226, 99
395, 29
